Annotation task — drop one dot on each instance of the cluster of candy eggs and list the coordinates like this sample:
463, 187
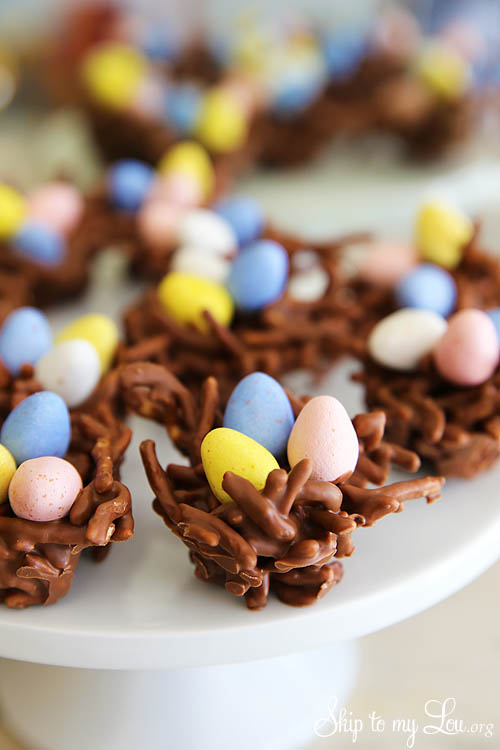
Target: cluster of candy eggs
38, 226
220, 261
259, 431
40, 484
465, 347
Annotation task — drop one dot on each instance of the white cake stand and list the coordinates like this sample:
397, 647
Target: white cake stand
184, 665
142, 655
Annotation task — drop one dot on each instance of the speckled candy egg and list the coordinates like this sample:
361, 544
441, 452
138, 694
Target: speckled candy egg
129, 182
225, 450
259, 407
24, 337
44, 489
71, 369
324, 433
190, 259
207, 230
7, 471
258, 275
158, 221
38, 426
245, 215
400, 340
57, 204
468, 352
385, 263
40, 243
186, 297
428, 287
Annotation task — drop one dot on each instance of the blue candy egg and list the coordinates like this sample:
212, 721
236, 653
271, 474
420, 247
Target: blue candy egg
495, 317
40, 243
39, 426
245, 215
24, 337
343, 51
129, 181
259, 407
160, 44
258, 275
183, 105
427, 287
295, 96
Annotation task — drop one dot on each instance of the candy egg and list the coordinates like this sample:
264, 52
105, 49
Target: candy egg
44, 489
178, 188
12, 211
343, 51
183, 106
428, 287
112, 73
191, 259
207, 230
259, 407
24, 337
157, 223
494, 315
222, 124
225, 450
185, 297
258, 275
385, 263
324, 433
442, 233
40, 243
38, 426
99, 330
191, 159
129, 182
7, 471
468, 352
71, 369
58, 205
443, 70
245, 215
400, 340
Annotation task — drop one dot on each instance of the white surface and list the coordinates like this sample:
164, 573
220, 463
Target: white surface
178, 708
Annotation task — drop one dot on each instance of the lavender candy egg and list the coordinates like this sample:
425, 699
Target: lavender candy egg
324, 433
44, 489
258, 275
24, 337
39, 426
259, 407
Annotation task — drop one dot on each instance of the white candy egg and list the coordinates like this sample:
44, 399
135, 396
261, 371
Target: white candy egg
309, 285
190, 259
71, 369
400, 340
206, 230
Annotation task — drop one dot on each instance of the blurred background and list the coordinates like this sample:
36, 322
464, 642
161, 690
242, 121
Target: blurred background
429, 69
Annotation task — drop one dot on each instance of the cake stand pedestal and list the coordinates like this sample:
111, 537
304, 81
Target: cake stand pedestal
141, 654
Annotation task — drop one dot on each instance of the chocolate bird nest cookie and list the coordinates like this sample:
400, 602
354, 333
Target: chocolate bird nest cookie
288, 537
38, 559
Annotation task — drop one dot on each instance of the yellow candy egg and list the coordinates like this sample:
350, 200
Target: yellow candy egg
222, 125
7, 470
12, 211
442, 70
189, 158
185, 297
442, 232
224, 450
113, 72
99, 330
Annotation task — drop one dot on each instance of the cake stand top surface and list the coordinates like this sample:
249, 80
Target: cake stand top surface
143, 609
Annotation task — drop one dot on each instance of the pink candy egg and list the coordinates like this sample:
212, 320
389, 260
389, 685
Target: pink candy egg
385, 263
44, 489
58, 205
179, 188
157, 223
324, 433
468, 352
